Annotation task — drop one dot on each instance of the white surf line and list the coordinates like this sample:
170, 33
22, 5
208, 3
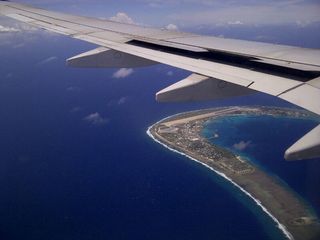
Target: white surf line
258, 202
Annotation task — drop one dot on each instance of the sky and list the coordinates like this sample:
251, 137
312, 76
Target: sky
292, 22
193, 13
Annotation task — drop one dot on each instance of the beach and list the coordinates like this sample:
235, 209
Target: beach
181, 134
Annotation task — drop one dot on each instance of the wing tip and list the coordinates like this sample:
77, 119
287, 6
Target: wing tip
307, 147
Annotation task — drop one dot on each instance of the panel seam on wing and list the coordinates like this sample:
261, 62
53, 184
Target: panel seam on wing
290, 89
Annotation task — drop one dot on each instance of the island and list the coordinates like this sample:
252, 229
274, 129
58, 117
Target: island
182, 133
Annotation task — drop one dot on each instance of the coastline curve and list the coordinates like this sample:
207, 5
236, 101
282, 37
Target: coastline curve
279, 225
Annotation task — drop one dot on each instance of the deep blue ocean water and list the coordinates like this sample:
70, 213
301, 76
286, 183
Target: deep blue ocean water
265, 140
62, 177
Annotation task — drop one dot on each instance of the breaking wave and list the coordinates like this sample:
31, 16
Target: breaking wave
258, 202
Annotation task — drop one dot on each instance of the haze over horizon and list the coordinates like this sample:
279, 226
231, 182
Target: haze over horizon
284, 22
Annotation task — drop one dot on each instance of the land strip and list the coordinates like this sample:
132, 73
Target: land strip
183, 133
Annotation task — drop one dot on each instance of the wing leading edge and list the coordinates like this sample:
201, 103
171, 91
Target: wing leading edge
220, 67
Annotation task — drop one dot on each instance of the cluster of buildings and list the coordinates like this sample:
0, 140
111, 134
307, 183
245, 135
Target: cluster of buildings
186, 137
183, 133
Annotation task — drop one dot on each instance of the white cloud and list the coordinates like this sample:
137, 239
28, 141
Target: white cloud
4, 29
75, 109
9, 25
9, 75
47, 60
122, 100
170, 73
242, 145
264, 13
15, 34
118, 102
122, 18
235, 22
302, 24
172, 27
171, 3
123, 73
95, 119
73, 89
19, 45
154, 5
23, 27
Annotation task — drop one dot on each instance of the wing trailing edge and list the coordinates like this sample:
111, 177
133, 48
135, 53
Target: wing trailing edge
198, 87
103, 57
306, 147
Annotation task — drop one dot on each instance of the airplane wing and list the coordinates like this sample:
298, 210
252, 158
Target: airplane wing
220, 67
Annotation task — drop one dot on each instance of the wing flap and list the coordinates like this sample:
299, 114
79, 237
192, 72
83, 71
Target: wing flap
305, 96
21, 18
258, 50
258, 81
198, 87
159, 43
273, 85
306, 147
289, 64
39, 19
111, 36
103, 57
315, 82
53, 28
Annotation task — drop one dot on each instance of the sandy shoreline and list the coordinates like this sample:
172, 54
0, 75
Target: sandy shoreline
257, 201
257, 185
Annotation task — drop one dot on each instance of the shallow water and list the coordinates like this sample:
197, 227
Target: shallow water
263, 140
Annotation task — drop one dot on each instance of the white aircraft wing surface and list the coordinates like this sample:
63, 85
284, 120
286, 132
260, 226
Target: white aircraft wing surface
220, 67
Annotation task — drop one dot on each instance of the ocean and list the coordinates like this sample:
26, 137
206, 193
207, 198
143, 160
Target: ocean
263, 140
66, 177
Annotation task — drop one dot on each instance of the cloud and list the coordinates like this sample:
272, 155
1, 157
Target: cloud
4, 29
172, 27
235, 22
118, 102
171, 3
251, 13
123, 73
16, 34
95, 119
170, 73
75, 109
122, 100
122, 18
9, 25
47, 60
154, 5
9, 75
73, 89
303, 24
19, 45
24, 27
242, 145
